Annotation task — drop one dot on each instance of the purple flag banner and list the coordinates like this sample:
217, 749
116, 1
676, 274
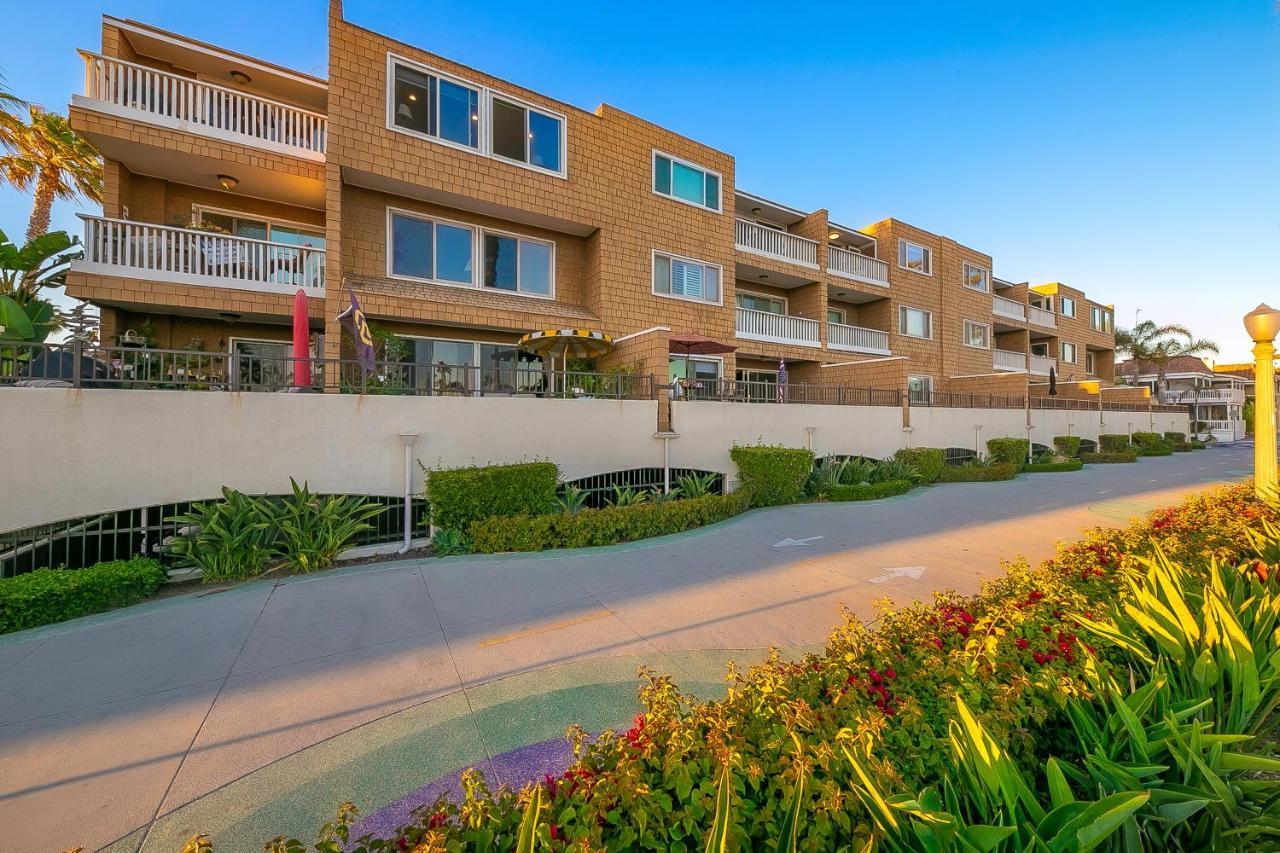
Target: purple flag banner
354, 322
782, 381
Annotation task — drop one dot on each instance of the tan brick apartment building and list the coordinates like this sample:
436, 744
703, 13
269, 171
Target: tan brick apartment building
464, 211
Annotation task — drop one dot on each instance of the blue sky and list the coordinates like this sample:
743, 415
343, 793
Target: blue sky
1129, 149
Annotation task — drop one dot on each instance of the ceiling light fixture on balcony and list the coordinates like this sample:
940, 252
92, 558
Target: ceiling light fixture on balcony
229, 316
755, 211
239, 77
764, 276
834, 235
228, 182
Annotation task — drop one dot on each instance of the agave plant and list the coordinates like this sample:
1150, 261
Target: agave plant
571, 500
230, 539
314, 530
658, 496
696, 485
858, 471
827, 473
895, 469
628, 497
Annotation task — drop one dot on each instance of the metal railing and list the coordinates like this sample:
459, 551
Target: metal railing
843, 262
1204, 395
1003, 359
1004, 307
206, 105
773, 243
857, 339
179, 254
1041, 364
780, 328
1041, 317
743, 391
75, 365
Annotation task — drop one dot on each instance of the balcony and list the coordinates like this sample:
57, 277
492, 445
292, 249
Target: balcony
775, 244
857, 339
753, 325
1008, 308
1042, 364
187, 256
137, 92
1041, 317
858, 267
1003, 359
1203, 395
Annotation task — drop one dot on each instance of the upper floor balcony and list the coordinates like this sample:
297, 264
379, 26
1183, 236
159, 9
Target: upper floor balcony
1040, 365
775, 243
163, 99
1041, 317
1203, 395
857, 339
856, 266
1008, 360
754, 325
189, 256
1008, 308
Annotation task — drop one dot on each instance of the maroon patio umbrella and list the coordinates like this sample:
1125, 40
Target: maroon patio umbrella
301, 341
691, 343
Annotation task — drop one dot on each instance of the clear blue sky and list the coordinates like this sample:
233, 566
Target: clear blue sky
1130, 149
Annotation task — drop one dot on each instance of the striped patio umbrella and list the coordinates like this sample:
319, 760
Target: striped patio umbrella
566, 343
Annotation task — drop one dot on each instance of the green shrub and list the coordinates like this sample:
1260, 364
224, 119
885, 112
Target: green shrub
1053, 467
606, 526
1109, 457
46, 596
1182, 447
231, 539
1113, 443
1175, 437
459, 496
1067, 445
870, 491
1146, 439
891, 469
772, 474
928, 461
979, 473
451, 543
314, 530
1196, 444
696, 485
1157, 449
1011, 450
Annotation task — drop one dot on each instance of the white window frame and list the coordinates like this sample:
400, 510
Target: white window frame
1062, 352
928, 385
1091, 362
474, 370
843, 312
901, 314
199, 210
479, 261
653, 180
986, 277
974, 324
903, 243
742, 291
1102, 314
653, 269
485, 94
1066, 306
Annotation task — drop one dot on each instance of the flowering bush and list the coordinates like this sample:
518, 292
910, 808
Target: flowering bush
1014, 659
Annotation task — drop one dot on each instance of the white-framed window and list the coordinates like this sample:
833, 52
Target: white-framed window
1066, 306
1068, 353
913, 256
259, 227
760, 302
1090, 362
440, 251
460, 366
1039, 300
1099, 319
425, 102
685, 181
1041, 349
915, 323
694, 376
977, 335
837, 315
976, 278
685, 278
919, 389
262, 363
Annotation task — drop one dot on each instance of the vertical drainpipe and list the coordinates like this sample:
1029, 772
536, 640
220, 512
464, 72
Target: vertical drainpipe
408, 439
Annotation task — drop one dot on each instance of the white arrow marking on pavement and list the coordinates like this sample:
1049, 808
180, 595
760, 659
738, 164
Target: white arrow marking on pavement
789, 542
913, 572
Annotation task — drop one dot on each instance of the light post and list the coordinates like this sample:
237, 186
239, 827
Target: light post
1262, 324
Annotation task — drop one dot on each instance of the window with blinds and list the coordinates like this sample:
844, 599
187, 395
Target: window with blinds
685, 279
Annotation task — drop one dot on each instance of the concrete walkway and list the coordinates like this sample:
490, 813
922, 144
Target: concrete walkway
116, 728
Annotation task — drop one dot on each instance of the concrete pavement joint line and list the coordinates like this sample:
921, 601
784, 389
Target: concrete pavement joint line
541, 629
109, 702
23, 657
194, 737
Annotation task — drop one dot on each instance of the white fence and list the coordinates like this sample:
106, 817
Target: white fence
1042, 364
1041, 317
857, 339
848, 264
782, 245
1002, 307
779, 328
1002, 359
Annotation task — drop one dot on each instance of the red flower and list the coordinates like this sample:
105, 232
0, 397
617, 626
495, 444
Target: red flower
1035, 595
1040, 658
937, 641
890, 674
874, 675
1021, 643
963, 630
555, 831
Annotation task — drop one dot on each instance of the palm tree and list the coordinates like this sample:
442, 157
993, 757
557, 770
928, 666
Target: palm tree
1158, 345
47, 154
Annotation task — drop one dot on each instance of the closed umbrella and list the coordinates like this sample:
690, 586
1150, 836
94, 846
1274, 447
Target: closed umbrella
301, 341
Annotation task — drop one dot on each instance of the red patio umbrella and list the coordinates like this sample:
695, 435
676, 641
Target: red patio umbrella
301, 341
691, 343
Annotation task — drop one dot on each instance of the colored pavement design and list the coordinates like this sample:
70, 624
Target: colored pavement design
254, 710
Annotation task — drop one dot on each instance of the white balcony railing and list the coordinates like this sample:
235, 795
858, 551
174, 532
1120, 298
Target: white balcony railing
778, 328
1003, 359
852, 265
857, 339
1041, 364
1041, 317
1002, 307
780, 245
1203, 395
188, 256
171, 100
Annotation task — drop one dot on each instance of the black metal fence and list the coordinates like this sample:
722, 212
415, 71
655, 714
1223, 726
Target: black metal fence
599, 488
743, 391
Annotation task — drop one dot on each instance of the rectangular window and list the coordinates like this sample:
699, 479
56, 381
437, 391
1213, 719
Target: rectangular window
693, 377
1068, 352
525, 135
977, 335
685, 181
1066, 306
1099, 319
517, 264
1040, 349
685, 279
1090, 362
915, 323
434, 251
913, 256
435, 106
756, 302
920, 389
976, 278
836, 315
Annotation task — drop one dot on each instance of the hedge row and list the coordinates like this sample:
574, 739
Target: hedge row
979, 473
1113, 443
1067, 445
1053, 467
1155, 450
459, 496
928, 461
608, 526
46, 596
870, 491
772, 474
1109, 457
1012, 451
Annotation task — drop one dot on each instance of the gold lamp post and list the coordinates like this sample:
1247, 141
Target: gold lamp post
1262, 324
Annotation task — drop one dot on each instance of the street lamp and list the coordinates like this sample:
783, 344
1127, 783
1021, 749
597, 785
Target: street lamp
1262, 324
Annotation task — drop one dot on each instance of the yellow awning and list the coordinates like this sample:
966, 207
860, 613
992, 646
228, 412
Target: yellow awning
566, 343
